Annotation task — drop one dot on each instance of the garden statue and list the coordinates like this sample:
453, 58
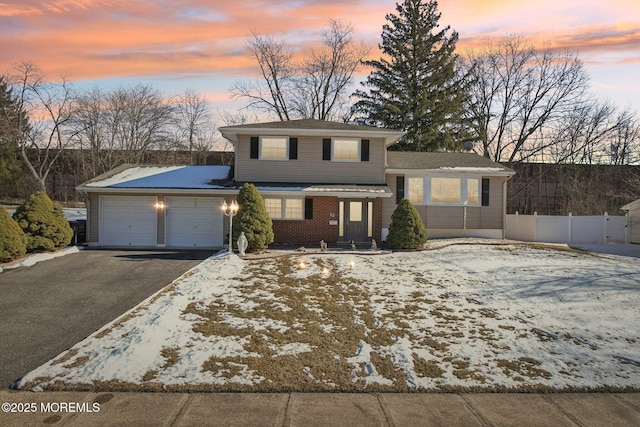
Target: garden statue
374, 246
242, 243
323, 246
353, 245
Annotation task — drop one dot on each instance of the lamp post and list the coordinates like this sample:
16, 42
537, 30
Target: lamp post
230, 211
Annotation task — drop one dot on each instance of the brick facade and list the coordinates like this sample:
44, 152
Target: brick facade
310, 231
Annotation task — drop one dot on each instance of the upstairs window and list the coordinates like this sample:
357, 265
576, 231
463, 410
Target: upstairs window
346, 150
274, 148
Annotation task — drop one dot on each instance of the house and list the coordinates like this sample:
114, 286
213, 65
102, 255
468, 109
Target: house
320, 181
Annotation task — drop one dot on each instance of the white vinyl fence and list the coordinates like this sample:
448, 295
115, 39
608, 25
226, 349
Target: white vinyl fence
568, 229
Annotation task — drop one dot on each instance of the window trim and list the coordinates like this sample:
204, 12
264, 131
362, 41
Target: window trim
352, 140
283, 208
286, 147
427, 196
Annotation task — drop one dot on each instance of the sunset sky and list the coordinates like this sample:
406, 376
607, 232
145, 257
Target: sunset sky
196, 44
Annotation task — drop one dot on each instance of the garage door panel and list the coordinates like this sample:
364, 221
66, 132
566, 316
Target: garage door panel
194, 222
128, 221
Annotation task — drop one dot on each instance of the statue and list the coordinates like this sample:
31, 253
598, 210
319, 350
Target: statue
323, 246
374, 246
242, 243
353, 245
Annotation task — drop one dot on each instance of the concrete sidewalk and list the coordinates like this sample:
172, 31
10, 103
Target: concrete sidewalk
300, 409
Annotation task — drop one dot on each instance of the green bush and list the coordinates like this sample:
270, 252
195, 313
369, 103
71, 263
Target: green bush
44, 223
253, 219
407, 230
13, 242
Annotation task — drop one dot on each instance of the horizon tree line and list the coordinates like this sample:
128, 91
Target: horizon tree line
510, 102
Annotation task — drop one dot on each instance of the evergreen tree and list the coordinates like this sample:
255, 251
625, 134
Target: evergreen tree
253, 219
13, 242
44, 223
407, 231
10, 116
416, 87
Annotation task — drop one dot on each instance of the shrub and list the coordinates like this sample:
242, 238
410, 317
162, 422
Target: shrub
253, 219
13, 242
407, 230
44, 223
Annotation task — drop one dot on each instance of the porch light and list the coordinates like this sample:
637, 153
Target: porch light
159, 205
230, 211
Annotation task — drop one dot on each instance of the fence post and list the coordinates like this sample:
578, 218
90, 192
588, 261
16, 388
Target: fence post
535, 226
606, 218
627, 228
570, 227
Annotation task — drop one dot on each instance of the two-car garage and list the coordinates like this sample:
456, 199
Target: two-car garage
150, 221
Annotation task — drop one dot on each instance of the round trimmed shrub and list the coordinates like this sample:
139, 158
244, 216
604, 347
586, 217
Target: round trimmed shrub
407, 231
253, 219
44, 223
13, 242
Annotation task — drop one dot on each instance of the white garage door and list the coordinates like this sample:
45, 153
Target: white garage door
128, 221
194, 222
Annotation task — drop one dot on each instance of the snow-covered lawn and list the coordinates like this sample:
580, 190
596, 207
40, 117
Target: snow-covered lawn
491, 317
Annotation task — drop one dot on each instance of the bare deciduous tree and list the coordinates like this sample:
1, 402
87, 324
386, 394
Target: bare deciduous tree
195, 126
49, 107
314, 88
518, 92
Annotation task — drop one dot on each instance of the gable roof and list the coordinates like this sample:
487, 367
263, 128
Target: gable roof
631, 206
310, 127
441, 161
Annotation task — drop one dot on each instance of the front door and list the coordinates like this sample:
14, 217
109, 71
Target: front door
354, 218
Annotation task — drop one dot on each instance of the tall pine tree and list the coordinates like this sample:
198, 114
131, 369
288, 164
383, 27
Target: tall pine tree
10, 116
416, 86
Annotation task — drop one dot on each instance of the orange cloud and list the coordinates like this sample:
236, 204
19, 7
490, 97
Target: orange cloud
96, 39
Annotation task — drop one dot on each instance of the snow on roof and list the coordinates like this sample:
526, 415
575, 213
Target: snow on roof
471, 169
200, 177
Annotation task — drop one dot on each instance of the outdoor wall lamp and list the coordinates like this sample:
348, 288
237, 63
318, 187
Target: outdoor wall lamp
159, 205
230, 211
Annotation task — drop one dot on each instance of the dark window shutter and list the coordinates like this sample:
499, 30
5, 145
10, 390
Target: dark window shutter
485, 191
399, 189
254, 147
308, 208
364, 150
326, 149
293, 148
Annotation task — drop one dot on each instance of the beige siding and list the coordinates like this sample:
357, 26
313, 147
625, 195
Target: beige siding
309, 167
452, 217
389, 203
492, 215
93, 219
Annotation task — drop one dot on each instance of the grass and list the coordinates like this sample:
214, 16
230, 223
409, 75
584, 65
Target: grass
316, 327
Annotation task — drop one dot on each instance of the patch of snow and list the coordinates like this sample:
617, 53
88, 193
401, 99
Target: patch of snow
132, 174
193, 177
562, 318
31, 260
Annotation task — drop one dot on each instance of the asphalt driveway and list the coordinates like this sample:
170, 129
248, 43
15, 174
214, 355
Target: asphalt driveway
47, 308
